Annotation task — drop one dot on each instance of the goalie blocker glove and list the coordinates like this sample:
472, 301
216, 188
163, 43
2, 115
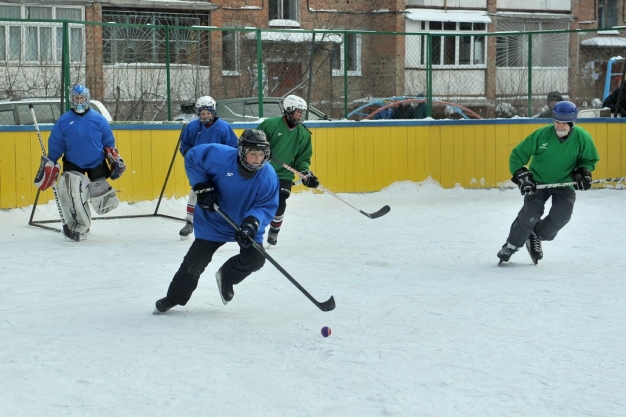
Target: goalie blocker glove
47, 174
116, 163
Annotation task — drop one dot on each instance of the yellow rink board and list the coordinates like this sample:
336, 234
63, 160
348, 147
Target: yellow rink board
348, 157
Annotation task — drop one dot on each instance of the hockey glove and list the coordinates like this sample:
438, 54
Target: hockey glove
116, 163
47, 174
582, 177
310, 180
206, 195
247, 232
525, 181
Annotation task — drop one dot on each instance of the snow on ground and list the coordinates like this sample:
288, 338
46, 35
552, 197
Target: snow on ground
426, 324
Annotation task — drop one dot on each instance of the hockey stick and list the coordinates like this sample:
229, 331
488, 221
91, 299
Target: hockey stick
75, 236
374, 215
569, 184
327, 305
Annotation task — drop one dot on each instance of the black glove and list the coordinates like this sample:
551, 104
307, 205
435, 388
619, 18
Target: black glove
525, 181
247, 231
582, 176
206, 195
310, 180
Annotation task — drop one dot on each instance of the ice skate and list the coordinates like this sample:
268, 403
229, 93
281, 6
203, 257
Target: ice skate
163, 305
506, 252
186, 230
533, 245
226, 289
272, 238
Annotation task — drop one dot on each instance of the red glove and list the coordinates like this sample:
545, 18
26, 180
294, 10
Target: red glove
47, 174
116, 163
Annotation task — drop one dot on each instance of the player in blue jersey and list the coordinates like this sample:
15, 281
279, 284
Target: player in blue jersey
207, 128
85, 140
245, 186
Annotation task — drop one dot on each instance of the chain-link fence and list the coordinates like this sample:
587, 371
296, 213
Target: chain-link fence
149, 67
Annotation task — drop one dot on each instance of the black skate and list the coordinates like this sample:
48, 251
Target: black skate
506, 252
272, 237
226, 289
163, 305
533, 245
186, 230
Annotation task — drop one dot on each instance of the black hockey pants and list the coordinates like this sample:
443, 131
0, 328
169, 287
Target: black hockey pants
529, 217
199, 255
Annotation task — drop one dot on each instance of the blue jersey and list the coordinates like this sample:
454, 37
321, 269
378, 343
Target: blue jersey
81, 138
195, 133
236, 196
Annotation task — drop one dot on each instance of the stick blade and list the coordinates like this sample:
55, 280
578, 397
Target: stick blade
327, 305
379, 213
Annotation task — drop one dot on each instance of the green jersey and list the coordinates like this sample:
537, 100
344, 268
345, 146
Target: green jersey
291, 146
553, 160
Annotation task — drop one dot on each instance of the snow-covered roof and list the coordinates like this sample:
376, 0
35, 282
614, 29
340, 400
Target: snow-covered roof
605, 41
434, 15
295, 37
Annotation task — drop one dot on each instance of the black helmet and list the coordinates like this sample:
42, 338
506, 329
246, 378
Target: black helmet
253, 140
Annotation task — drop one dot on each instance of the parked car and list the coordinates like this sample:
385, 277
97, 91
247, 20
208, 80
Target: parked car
47, 110
246, 109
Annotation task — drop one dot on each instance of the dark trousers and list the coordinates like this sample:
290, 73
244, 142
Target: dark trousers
199, 255
283, 194
101, 171
529, 217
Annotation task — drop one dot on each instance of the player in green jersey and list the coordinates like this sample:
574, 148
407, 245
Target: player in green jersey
557, 153
290, 143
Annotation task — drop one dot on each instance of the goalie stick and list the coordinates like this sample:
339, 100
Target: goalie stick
568, 184
75, 236
327, 305
384, 210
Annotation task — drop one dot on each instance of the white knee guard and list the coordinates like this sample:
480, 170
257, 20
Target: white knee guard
103, 198
74, 197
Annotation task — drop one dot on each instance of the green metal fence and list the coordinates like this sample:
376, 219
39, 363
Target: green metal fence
146, 68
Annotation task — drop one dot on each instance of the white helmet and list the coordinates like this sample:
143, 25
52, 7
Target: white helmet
292, 103
206, 103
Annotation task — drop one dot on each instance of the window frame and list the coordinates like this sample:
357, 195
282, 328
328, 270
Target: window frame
35, 29
357, 48
607, 10
236, 48
458, 34
280, 12
117, 42
514, 42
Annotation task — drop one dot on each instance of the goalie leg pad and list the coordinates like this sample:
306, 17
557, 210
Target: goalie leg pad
103, 198
73, 190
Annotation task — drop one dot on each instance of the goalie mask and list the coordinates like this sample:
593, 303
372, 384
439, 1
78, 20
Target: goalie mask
79, 98
253, 140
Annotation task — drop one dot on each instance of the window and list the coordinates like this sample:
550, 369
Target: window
128, 44
607, 14
353, 66
39, 42
283, 9
453, 50
230, 52
549, 49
